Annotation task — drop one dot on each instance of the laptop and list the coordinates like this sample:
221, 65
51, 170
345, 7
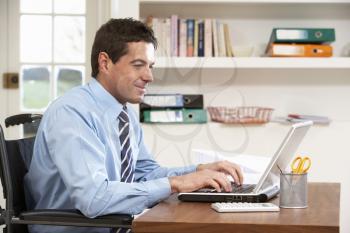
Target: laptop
268, 185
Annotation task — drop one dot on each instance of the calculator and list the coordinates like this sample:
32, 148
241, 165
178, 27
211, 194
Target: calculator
229, 207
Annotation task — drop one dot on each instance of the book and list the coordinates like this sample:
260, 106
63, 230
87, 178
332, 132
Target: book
167, 33
201, 38
229, 51
316, 119
156, 27
174, 35
221, 39
162, 36
193, 101
186, 116
299, 50
190, 37
183, 38
208, 40
166, 101
302, 35
195, 39
162, 101
215, 38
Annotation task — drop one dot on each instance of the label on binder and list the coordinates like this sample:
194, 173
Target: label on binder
186, 116
290, 34
164, 100
166, 116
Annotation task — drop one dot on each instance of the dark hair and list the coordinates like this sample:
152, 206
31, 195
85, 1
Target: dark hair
113, 36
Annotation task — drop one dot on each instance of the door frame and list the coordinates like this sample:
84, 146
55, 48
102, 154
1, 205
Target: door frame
3, 59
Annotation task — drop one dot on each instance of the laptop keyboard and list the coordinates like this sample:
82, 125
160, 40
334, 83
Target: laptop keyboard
244, 188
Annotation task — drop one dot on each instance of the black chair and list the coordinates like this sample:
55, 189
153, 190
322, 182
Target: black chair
15, 157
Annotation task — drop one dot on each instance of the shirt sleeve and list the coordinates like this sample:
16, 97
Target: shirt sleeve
79, 156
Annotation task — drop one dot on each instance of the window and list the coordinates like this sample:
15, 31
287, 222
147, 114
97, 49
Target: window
52, 50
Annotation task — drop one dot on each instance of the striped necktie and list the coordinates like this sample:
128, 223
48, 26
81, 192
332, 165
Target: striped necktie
127, 172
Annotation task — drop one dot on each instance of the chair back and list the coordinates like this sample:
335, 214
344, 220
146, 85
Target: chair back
15, 158
18, 156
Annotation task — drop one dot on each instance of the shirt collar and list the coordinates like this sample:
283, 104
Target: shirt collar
104, 99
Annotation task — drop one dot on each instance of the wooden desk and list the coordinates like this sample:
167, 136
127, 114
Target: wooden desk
173, 216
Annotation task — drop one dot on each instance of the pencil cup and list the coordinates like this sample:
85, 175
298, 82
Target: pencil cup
293, 190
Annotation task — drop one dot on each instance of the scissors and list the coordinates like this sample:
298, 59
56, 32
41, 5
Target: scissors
301, 165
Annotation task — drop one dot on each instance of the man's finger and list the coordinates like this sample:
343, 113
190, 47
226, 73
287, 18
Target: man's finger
235, 171
215, 185
223, 181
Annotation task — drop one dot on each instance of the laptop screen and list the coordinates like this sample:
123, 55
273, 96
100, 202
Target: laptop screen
285, 152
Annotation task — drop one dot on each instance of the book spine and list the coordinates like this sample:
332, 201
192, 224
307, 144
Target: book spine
201, 39
163, 36
187, 116
157, 33
195, 39
221, 39
190, 37
183, 38
208, 40
167, 37
215, 38
174, 35
300, 50
304, 35
228, 47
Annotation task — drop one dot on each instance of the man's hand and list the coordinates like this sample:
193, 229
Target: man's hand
226, 167
200, 179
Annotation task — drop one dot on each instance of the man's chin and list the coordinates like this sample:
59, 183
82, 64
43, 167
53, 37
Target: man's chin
136, 100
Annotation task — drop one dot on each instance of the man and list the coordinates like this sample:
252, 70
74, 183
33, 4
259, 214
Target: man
89, 152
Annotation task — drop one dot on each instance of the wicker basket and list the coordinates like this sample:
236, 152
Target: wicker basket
240, 115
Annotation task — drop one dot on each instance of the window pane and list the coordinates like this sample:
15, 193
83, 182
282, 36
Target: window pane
35, 86
69, 6
68, 77
36, 6
69, 44
35, 38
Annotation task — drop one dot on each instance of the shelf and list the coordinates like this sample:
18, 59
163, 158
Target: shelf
247, 1
253, 62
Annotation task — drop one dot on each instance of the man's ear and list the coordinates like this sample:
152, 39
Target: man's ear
103, 59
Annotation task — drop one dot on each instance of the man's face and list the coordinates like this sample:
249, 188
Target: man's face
127, 79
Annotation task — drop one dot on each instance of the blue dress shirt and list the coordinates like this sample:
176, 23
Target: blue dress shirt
76, 161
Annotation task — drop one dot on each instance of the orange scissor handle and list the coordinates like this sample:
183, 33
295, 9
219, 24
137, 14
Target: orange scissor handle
301, 165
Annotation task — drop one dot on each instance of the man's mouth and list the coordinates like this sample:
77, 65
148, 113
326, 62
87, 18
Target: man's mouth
142, 88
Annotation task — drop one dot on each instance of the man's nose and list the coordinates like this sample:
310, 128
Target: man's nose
148, 75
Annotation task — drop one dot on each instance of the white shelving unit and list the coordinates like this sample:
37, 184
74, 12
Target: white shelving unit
251, 22
245, 1
253, 62
319, 86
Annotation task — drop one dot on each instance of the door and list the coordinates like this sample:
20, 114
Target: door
48, 43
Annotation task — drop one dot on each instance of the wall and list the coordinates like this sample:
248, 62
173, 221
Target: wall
304, 91
308, 91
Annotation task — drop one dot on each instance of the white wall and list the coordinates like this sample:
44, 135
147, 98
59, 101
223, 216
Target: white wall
287, 91
304, 91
